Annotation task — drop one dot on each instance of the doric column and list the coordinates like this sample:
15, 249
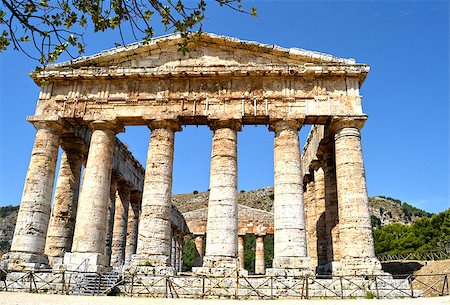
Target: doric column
357, 250
173, 250
154, 225
92, 215
331, 207
319, 187
180, 253
198, 260
28, 243
289, 217
133, 222
111, 211
310, 215
260, 267
120, 225
222, 224
64, 207
241, 251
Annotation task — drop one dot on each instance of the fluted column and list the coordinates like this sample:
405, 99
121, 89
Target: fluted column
111, 212
92, 215
133, 222
180, 240
357, 250
319, 187
241, 251
119, 238
260, 267
331, 208
289, 216
154, 226
173, 250
198, 260
28, 242
310, 215
222, 224
64, 208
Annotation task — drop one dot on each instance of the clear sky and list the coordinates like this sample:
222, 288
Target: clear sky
406, 95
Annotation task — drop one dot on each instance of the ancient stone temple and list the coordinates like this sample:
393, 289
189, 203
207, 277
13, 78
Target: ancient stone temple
123, 215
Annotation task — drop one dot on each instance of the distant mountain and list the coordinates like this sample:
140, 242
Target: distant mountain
383, 210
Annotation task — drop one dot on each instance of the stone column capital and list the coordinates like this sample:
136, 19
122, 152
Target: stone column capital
232, 124
325, 151
73, 144
123, 186
339, 123
171, 124
57, 127
135, 196
279, 125
316, 164
112, 125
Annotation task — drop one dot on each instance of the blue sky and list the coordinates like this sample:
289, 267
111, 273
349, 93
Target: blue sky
406, 95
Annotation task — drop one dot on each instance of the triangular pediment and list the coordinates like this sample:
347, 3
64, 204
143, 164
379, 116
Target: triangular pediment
205, 50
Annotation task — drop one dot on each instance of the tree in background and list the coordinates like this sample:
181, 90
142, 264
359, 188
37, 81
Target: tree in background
426, 234
54, 27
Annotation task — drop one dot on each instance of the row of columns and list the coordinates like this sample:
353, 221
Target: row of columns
154, 241
41, 238
260, 267
339, 230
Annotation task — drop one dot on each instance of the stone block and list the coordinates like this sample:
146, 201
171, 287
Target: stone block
86, 262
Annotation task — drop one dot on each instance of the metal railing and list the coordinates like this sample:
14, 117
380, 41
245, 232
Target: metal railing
420, 256
228, 286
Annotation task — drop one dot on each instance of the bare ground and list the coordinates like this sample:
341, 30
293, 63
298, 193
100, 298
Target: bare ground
18, 298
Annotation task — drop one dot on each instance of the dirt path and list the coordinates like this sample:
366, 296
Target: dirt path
16, 298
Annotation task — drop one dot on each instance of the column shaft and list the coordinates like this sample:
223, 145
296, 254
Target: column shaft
222, 224
120, 226
132, 230
91, 224
64, 210
331, 209
289, 217
241, 251
260, 267
354, 219
198, 260
155, 226
311, 223
34, 213
111, 212
173, 251
319, 186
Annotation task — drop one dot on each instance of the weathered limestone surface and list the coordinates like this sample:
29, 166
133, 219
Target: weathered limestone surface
250, 221
224, 83
327, 153
289, 217
133, 223
260, 267
241, 251
111, 214
222, 226
64, 210
311, 221
91, 225
120, 225
173, 250
321, 246
357, 251
34, 213
154, 226
198, 259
